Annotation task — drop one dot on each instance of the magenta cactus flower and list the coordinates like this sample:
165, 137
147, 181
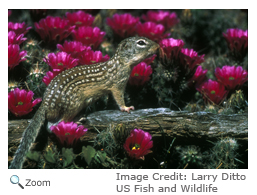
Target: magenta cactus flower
150, 59
140, 74
53, 29
80, 18
123, 25
75, 48
138, 144
89, 36
156, 16
237, 41
151, 30
60, 61
20, 102
171, 47
15, 39
49, 76
15, 56
190, 59
213, 91
231, 77
165, 18
68, 133
172, 20
92, 57
198, 78
18, 28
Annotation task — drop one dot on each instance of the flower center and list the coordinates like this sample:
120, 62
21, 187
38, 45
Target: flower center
20, 103
60, 64
231, 78
212, 92
67, 134
136, 147
78, 22
93, 61
136, 74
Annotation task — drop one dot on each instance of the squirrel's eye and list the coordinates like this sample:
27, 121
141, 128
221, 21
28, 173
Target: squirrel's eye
141, 43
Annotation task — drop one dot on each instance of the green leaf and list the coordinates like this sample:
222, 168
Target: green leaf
68, 156
101, 155
88, 153
33, 155
50, 156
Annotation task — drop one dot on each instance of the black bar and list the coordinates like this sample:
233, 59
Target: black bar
20, 185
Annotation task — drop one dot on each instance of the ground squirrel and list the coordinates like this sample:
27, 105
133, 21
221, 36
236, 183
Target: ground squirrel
74, 89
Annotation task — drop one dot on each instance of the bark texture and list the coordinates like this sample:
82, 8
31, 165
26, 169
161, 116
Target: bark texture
157, 121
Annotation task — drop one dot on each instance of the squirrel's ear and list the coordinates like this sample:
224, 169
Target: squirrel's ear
124, 47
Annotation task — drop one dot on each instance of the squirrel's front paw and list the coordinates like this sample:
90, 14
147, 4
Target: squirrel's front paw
126, 109
81, 121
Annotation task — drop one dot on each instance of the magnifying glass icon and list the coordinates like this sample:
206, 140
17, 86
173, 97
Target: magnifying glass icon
15, 180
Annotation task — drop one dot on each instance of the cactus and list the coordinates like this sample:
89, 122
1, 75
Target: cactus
120, 133
35, 54
190, 156
237, 102
105, 141
224, 154
194, 107
35, 66
203, 28
34, 81
12, 85
170, 82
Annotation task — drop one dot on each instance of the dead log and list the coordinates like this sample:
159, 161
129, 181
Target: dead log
180, 124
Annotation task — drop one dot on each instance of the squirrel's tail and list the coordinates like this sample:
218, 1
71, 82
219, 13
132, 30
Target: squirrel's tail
28, 138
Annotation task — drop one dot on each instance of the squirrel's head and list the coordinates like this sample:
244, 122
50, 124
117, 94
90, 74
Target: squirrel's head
134, 50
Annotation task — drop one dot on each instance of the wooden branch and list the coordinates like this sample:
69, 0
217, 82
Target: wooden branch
176, 123
156, 121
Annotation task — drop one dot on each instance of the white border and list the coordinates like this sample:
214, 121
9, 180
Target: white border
104, 181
